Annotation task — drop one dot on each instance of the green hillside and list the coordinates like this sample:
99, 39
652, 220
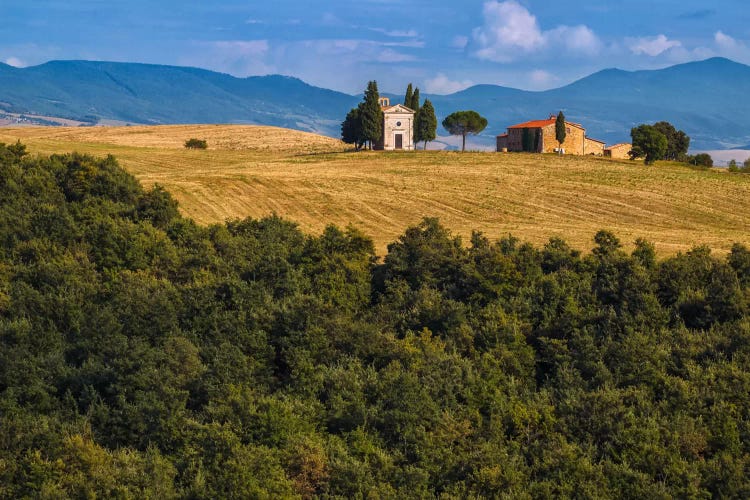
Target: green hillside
143, 355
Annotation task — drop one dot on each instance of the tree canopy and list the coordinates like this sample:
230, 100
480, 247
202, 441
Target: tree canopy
464, 123
145, 356
364, 124
560, 129
648, 143
409, 96
678, 142
426, 123
351, 129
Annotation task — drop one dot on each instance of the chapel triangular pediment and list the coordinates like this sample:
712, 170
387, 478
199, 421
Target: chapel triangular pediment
398, 108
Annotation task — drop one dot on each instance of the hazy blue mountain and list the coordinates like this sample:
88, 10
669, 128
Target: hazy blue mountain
143, 93
707, 99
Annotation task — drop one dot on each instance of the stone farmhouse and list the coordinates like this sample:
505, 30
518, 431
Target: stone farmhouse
619, 151
538, 136
398, 127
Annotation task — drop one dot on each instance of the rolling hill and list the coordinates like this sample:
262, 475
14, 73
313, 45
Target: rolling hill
707, 99
152, 94
255, 171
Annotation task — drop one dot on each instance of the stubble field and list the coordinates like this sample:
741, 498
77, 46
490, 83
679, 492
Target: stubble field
315, 181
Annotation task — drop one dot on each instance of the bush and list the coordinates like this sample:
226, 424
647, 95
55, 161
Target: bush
701, 160
196, 144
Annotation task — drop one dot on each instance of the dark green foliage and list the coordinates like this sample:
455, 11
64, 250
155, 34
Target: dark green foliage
370, 115
530, 140
414, 103
409, 96
464, 123
648, 143
745, 168
426, 123
351, 129
560, 129
142, 356
415, 106
196, 144
678, 142
701, 160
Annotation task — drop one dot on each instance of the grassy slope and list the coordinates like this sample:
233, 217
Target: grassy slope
253, 171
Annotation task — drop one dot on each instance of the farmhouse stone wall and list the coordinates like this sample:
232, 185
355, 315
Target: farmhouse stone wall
542, 136
575, 140
594, 147
618, 151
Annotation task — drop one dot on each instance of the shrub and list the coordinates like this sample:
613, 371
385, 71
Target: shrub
196, 144
702, 160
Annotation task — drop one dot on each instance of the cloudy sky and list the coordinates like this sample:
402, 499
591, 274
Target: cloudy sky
442, 46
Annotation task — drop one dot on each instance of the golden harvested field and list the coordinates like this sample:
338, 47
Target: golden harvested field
254, 171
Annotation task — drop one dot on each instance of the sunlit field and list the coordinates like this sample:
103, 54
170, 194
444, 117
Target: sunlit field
315, 181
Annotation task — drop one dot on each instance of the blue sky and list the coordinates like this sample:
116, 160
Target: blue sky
441, 46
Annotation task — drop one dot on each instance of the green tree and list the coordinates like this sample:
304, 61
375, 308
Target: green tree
426, 123
701, 160
678, 141
560, 131
408, 97
351, 129
371, 116
414, 106
464, 123
648, 143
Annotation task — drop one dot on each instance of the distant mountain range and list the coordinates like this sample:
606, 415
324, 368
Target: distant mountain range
707, 99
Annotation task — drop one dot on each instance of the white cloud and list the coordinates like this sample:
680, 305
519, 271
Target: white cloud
541, 79
16, 62
726, 42
652, 46
396, 33
510, 30
242, 47
460, 42
732, 48
391, 56
441, 84
579, 39
237, 57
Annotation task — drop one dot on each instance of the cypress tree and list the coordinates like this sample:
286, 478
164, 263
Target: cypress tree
351, 129
371, 116
414, 105
560, 131
426, 123
409, 95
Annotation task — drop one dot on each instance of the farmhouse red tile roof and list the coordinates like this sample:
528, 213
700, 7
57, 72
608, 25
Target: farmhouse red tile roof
542, 124
595, 140
535, 124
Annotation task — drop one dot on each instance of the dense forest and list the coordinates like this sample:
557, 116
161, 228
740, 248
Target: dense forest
143, 355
